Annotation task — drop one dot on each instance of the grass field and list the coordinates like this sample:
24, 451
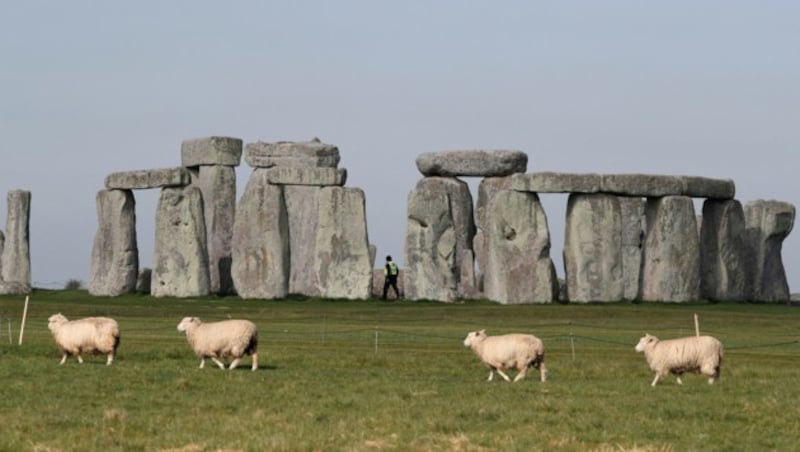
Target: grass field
366, 375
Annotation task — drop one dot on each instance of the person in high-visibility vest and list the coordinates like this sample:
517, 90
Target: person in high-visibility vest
390, 271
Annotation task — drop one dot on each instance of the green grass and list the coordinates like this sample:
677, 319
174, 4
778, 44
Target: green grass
365, 375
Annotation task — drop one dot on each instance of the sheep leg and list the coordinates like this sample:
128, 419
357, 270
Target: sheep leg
255, 361
110, 359
655, 380
678, 378
80, 360
219, 363
234, 363
502, 374
542, 372
202, 363
521, 374
63, 359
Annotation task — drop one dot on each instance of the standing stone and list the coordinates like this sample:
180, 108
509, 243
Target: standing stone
261, 240
633, 229
593, 248
768, 223
218, 186
343, 265
302, 208
487, 189
440, 228
723, 261
15, 263
671, 259
180, 255
115, 254
2, 245
518, 264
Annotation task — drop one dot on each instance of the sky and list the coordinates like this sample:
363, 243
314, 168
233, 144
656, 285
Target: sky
87, 88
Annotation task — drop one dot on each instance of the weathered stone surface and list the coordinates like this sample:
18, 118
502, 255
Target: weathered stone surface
224, 151
487, 189
593, 248
518, 264
704, 187
115, 254
2, 245
290, 153
261, 262
14, 288
343, 266
636, 185
641, 185
477, 163
440, 226
16, 257
723, 263
768, 223
218, 186
145, 179
294, 175
671, 259
633, 229
302, 207
180, 255
547, 182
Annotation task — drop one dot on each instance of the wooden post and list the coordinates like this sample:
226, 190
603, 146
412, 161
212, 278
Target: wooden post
24, 316
696, 325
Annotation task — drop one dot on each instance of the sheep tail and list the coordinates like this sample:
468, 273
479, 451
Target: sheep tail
252, 346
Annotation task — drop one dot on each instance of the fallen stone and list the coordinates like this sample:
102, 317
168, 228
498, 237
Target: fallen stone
146, 179
225, 151
115, 253
294, 175
475, 163
290, 153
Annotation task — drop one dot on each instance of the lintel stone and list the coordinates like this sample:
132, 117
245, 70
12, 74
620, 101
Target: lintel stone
152, 178
288, 175
312, 153
225, 151
472, 163
635, 185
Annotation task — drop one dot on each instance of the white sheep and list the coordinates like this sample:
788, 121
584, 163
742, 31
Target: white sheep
227, 338
87, 335
697, 354
509, 351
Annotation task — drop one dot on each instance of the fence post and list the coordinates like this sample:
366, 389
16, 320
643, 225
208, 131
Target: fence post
696, 325
376, 339
571, 341
24, 316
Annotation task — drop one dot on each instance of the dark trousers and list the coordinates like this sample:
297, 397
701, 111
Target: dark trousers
390, 281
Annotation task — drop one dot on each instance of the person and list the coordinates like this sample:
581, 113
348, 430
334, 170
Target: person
390, 271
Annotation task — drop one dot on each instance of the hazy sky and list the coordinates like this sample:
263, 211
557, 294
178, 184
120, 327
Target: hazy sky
707, 88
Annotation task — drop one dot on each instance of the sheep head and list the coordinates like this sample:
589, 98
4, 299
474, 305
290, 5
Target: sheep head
188, 322
473, 337
646, 341
55, 319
